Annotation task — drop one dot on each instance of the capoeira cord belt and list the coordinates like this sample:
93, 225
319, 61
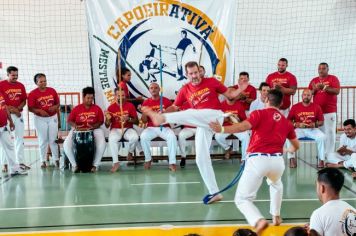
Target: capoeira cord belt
208, 197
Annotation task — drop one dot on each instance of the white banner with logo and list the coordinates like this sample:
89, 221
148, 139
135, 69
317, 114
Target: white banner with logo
151, 32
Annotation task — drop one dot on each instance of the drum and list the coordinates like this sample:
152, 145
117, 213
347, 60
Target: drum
84, 149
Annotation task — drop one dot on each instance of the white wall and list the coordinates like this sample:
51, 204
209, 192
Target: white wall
50, 36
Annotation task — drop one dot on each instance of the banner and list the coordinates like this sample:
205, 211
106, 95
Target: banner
192, 30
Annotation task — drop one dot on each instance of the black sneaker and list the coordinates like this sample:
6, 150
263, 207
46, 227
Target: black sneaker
19, 172
182, 162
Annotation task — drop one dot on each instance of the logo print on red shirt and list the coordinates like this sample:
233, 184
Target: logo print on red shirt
277, 116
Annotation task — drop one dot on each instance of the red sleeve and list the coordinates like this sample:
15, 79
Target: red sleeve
145, 103
253, 93
181, 98
242, 113
167, 102
335, 83
268, 81
255, 118
310, 84
291, 133
100, 115
319, 113
291, 114
31, 100
293, 81
220, 88
132, 111
73, 114
23, 93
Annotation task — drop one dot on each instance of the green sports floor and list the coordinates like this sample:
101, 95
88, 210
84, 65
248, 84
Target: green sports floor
135, 201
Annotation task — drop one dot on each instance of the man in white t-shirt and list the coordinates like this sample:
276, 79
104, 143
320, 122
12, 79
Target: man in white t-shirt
334, 217
345, 156
260, 102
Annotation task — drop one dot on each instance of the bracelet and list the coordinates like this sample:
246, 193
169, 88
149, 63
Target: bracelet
222, 129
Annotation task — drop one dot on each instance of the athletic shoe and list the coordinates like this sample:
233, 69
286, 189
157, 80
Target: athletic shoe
19, 172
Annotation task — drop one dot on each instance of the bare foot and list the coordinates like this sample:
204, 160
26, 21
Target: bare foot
156, 118
216, 198
147, 165
292, 163
115, 167
173, 167
44, 165
93, 169
321, 164
5, 169
261, 225
353, 175
129, 157
228, 153
277, 220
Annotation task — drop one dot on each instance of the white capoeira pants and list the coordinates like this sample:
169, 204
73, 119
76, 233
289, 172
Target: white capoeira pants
349, 161
18, 134
256, 168
47, 132
115, 135
315, 134
182, 139
329, 129
167, 134
203, 137
100, 145
244, 138
8, 150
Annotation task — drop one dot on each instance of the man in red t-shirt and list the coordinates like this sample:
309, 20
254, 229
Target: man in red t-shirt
84, 117
284, 81
249, 94
120, 119
15, 96
238, 112
153, 131
264, 158
307, 117
201, 94
325, 89
5, 139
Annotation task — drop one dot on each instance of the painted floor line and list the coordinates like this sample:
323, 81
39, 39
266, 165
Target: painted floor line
173, 183
147, 204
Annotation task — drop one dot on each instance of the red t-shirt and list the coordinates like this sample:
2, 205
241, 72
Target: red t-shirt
85, 118
3, 111
123, 86
14, 93
249, 92
306, 114
43, 99
237, 108
287, 80
115, 111
325, 100
155, 106
270, 129
202, 96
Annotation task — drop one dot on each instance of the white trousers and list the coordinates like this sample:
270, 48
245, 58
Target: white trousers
315, 134
115, 136
329, 129
244, 138
8, 150
349, 161
256, 168
182, 139
167, 134
47, 132
100, 145
203, 137
18, 134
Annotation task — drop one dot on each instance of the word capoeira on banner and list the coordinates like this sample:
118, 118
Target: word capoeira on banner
201, 31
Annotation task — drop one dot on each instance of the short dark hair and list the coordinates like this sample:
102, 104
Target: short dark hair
37, 76
283, 59
88, 90
124, 71
332, 177
244, 73
191, 64
11, 68
350, 122
200, 66
324, 64
244, 232
296, 231
275, 97
263, 84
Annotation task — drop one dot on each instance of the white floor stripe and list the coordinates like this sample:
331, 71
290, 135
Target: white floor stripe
148, 204
174, 183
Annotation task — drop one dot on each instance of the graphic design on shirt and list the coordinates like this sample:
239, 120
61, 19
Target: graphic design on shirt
348, 221
13, 94
87, 117
199, 97
277, 116
46, 101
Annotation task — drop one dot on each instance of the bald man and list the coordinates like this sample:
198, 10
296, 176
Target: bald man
307, 117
